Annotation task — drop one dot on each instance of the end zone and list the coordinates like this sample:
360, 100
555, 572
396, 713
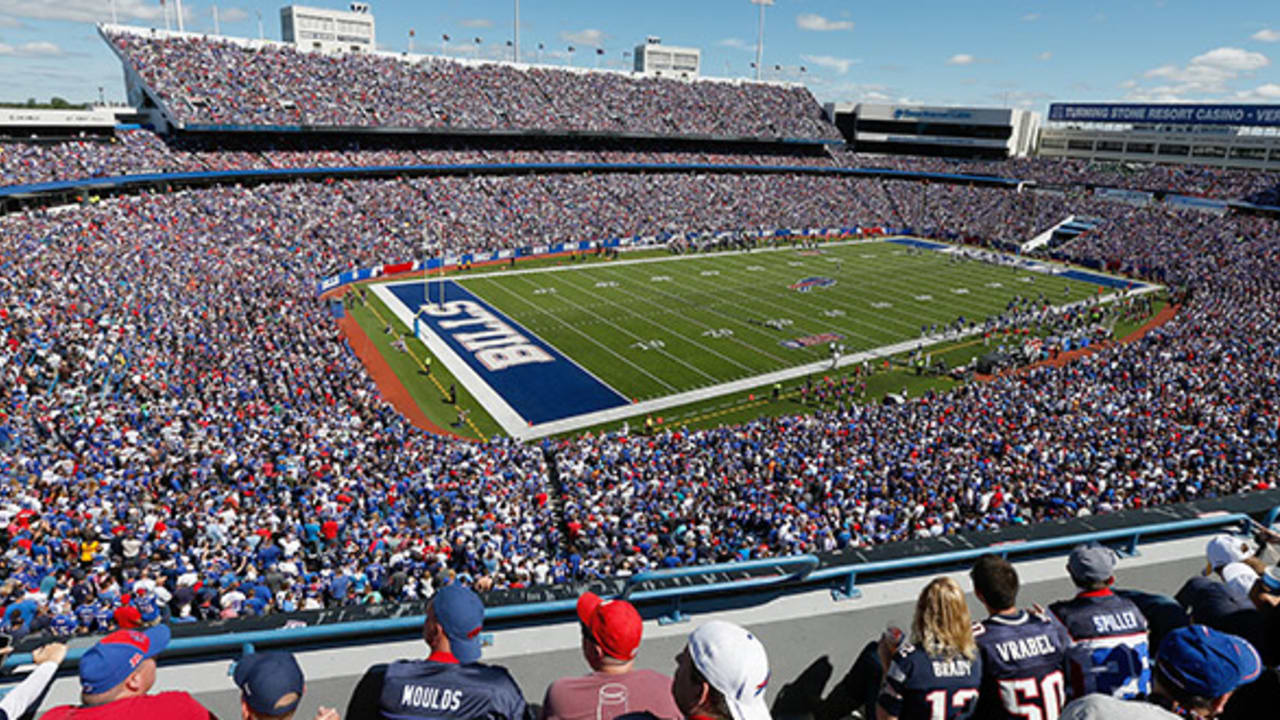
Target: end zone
518, 378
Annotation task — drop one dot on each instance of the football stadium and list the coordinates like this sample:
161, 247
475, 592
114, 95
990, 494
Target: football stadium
346, 381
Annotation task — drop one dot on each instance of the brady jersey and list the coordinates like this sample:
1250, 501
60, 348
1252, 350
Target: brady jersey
1023, 660
919, 687
424, 689
1109, 651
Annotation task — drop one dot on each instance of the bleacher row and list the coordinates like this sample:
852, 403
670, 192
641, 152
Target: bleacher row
223, 82
136, 151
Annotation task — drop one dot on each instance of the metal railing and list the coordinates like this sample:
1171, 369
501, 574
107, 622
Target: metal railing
802, 570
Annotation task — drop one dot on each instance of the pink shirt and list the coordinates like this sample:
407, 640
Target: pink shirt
604, 697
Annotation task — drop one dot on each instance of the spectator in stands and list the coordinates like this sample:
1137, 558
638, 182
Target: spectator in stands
937, 674
450, 682
25, 694
116, 675
1196, 671
722, 674
271, 686
1023, 653
1108, 652
611, 632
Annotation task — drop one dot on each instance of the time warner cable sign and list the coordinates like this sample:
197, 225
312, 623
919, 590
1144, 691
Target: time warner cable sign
1255, 115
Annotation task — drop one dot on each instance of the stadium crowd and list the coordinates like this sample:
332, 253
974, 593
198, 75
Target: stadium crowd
135, 151
1201, 180
214, 81
185, 432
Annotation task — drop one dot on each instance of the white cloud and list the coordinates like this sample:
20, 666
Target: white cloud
31, 49
962, 59
1207, 74
590, 37
232, 15
1031, 17
9, 22
1266, 35
1230, 59
813, 21
1269, 92
85, 10
478, 23
736, 43
1046, 55
840, 65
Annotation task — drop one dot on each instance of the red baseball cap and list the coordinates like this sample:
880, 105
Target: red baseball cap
615, 625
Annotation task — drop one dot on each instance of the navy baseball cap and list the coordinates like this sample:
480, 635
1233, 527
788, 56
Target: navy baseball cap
271, 683
114, 658
1204, 662
461, 613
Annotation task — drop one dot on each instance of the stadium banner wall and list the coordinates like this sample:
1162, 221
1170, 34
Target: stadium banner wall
1133, 197
1197, 203
1168, 114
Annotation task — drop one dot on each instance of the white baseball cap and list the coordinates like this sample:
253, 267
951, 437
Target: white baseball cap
1226, 549
734, 662
1239, 579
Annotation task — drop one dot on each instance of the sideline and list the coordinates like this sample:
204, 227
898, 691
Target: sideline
393, 390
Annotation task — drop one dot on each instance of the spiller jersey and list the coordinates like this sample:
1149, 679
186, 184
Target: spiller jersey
1023, 663
920, 687
1109, 653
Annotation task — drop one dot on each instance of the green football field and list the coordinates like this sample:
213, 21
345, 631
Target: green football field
655, 328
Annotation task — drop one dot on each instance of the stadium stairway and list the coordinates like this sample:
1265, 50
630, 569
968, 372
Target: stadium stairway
1064, 232
809, 632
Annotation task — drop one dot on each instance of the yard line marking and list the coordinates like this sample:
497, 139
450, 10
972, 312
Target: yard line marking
627, 332
680, 298
695, 343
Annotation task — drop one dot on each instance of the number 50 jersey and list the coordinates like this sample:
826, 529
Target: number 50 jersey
1023, 663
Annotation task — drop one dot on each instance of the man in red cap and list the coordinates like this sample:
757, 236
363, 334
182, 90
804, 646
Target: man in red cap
611, 633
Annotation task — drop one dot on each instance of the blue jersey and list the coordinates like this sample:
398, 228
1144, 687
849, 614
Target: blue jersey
429, 690
1023, 660
105, 617
1108, 652
146, 605
64, 624
920, 687
87, 614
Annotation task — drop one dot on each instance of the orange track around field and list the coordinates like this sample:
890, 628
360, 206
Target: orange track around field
389, 384
1156, 321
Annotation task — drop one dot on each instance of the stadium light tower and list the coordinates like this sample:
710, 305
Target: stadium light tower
515, 50
760, 35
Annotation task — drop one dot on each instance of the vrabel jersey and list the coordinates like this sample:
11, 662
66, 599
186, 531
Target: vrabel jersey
920, 687
1023, 663
427, 690
1108, 652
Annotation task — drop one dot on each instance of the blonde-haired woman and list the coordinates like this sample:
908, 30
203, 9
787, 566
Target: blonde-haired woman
936, 675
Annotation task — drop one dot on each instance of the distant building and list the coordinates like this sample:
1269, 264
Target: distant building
654, 58
963, 132
325, 30
1239, 136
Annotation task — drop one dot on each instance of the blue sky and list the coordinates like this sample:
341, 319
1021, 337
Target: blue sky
997, 52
